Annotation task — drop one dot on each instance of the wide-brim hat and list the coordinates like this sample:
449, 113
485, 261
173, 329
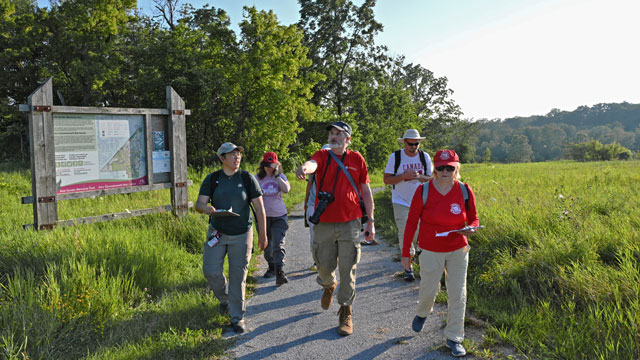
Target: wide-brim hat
227, 148
446, 157
411, 134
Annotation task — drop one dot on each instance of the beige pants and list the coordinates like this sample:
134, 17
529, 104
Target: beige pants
401, 213
337, 245
432, 264
238, 249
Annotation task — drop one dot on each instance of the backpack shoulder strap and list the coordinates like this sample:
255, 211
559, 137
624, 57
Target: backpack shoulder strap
465, 194
398, 159
246, 181
423, 160
396, 165
214, 183
425, 193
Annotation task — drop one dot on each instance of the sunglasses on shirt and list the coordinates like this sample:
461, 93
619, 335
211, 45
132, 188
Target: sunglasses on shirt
449, 168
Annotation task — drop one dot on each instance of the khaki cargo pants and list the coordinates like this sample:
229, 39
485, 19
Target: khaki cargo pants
337, 245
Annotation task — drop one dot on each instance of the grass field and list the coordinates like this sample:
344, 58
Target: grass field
555, 272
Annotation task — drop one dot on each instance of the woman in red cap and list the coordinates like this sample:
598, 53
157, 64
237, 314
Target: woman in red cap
447, 207
273, 183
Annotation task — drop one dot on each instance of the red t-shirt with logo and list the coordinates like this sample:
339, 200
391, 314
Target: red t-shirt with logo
440, 214
346, 204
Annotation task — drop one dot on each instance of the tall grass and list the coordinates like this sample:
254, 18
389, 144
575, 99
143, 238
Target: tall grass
130, 288
557, 268
556, 271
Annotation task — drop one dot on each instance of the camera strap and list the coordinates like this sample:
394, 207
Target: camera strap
335, 182
348, 175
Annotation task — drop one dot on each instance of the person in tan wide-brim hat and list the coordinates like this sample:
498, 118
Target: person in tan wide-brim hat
406, 169
411, 134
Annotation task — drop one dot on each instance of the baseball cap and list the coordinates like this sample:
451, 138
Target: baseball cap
342, 126
270, 157
446, 157
228, 147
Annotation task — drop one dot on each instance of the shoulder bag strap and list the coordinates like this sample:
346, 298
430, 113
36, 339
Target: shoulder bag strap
346, 173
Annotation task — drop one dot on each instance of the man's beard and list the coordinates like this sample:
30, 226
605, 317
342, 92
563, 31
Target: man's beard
336, 145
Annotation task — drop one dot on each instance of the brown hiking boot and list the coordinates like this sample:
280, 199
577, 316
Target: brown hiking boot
346, 326
327, 296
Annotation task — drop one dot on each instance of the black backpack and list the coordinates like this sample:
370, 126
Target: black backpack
246, 181
398, 159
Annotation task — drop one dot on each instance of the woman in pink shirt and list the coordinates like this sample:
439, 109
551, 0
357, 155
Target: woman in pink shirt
445, 210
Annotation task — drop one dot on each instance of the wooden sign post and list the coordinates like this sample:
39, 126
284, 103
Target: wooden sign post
150, 124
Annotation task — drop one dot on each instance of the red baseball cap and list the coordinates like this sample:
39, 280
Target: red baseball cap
270, 157
446, 157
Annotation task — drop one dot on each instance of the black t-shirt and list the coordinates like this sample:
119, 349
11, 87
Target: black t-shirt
231, 194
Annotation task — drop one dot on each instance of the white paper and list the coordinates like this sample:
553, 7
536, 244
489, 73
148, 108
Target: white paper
463, 229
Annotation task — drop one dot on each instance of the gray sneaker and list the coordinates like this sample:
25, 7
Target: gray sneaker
456, 348
408, 276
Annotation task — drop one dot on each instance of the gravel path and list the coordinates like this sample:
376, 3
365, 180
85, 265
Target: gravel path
287, 322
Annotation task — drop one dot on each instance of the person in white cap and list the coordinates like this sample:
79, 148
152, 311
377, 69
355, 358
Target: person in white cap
230, 191
406, 169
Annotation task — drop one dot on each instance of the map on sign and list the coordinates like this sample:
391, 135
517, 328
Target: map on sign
97, 152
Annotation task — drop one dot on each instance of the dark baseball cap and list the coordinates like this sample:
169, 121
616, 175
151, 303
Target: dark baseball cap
342, 126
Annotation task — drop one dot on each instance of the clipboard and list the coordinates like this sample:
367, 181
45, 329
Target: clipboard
224, 213
446, 233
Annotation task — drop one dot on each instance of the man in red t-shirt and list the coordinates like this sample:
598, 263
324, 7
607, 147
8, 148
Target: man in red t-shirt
336, 236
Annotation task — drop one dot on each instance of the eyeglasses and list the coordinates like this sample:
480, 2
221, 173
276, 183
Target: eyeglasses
413, 144
449, 168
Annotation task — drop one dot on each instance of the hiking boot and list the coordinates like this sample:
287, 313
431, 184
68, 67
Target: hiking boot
224, 308
418, 323
344, 315
271, 272
456, 348
280, 277
239, 327
369, 242
327, 296
408, 276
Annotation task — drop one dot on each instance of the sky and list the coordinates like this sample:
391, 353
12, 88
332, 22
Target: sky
504, 58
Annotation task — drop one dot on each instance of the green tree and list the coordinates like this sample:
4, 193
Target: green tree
340, 36
81, 50
486, 157
23, 35
519, 149
272, 91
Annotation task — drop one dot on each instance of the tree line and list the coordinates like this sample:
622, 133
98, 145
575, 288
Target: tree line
561, 134
271, 87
